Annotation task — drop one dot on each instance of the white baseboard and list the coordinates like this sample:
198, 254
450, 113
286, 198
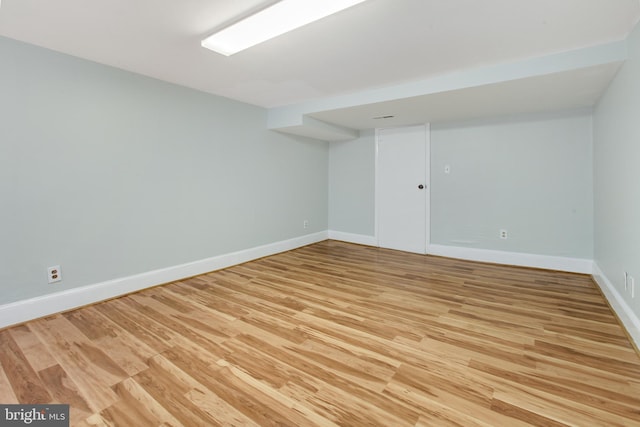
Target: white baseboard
33, 308
359, 239
573, 265
626, 315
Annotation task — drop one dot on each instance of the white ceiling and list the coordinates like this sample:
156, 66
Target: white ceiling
554, 92
373, 45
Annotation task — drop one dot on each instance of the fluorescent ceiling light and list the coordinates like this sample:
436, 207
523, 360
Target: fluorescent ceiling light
271, 22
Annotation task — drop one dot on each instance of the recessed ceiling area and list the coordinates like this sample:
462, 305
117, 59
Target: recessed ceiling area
569, 80
561, 91
358, 64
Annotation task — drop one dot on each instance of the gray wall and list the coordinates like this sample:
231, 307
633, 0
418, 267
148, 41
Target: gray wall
530, 175
617, 181
111, 174
352, 185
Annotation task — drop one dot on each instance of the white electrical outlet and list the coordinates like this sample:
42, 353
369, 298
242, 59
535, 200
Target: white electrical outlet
503, 234
54, 274
305, 223
626, 281
632, 285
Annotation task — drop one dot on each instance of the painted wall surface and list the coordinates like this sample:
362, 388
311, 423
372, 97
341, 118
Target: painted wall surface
617, 181
531, 176
352, 185
111, 174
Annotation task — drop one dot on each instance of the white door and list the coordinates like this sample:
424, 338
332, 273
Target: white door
402, 188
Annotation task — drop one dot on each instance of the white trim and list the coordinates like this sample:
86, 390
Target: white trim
629, 319
359, 239
427, 183
376, 188
33, 308
573, 265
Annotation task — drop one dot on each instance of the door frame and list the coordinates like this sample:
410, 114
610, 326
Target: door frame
427, 184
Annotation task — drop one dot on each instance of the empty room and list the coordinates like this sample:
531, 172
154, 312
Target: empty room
319, 213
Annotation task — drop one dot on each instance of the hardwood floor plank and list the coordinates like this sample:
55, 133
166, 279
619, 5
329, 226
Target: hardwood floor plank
127, 351
64, 390
575, 390
534, 403
435, 412
93, 382
205, 399
122, 347
560, 372
94, 420
622, 353
307, 414
336, 334
520, 413
6, 390
135, 408
33, 349
91, 323
310, 374
243, 397
126, 318
193, 292
24, 381
170, 393
124, 413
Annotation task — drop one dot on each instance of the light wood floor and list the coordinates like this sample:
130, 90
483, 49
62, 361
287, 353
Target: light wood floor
336, 334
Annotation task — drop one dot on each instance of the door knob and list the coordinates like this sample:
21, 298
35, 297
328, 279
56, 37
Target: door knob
421, 186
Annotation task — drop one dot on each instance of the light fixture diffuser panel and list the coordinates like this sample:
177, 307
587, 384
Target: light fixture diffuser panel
271, 22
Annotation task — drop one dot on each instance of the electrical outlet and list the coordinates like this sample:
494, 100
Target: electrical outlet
305, 223
503, 234
632, 285
54, 274
626, 281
